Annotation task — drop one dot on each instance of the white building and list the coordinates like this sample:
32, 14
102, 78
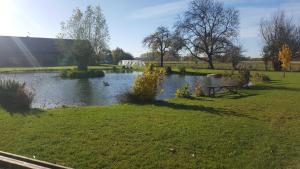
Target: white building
132, 63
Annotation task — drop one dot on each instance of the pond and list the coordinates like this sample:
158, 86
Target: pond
51, 91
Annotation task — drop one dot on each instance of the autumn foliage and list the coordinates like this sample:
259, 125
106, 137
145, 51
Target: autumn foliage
284, 57
146, 86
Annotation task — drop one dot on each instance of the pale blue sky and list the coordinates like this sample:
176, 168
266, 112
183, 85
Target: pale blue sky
130, 21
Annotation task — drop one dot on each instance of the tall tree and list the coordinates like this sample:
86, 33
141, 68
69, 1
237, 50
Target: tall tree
235, 55
81, 49
159, 41
207, 27
119, 54
177, 44
277, 31
89, 25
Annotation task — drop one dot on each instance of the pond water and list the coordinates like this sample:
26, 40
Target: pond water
51, 91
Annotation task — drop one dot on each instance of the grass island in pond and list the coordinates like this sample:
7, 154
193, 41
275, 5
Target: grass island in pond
76, 74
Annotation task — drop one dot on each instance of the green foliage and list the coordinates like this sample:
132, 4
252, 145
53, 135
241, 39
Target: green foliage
82, 52
15, 95
75, 74
182, 70
119, 54
183, 92
146, 86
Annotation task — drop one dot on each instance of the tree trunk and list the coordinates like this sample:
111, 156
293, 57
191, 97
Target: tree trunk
210, 62
161, 60
276, 65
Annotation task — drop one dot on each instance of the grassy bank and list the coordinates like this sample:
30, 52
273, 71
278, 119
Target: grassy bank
49, 69
254, 65
257, 128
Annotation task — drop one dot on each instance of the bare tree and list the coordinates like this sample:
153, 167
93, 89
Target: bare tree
207, 28
235, 54
159, 41
275, 32
177, 44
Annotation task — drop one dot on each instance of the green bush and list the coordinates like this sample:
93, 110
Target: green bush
183, 92
75, 74
182, 70
15, 95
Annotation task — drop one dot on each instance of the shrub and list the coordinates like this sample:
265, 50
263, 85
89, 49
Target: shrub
198, 90
183, 92
182, 70
168, 70
15, 95
150, 67
146, 86
115, 69
75, 74
244, 75
261, 78
129, 97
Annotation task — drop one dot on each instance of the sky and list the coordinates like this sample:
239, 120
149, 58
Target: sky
129, 21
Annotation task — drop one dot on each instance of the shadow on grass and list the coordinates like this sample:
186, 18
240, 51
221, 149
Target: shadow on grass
35, 112
190, 73
237, 95
205, 109
274, 87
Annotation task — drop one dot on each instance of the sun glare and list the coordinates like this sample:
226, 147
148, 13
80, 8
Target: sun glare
7, 9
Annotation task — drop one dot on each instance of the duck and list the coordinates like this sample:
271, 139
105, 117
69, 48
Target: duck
105, 83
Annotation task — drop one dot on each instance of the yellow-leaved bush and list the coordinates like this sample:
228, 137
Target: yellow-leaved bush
284, 57
147, 86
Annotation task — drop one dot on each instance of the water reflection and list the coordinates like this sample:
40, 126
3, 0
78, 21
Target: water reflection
84, 92
52, 91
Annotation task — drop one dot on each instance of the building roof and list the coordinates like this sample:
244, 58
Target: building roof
29, 51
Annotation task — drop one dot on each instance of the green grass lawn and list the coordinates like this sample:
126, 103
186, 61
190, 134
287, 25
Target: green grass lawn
254, 65
257, 128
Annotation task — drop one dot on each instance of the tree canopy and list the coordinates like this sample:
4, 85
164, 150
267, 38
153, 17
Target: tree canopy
276, 32
119, 54
159, 41
207, 27
90, 26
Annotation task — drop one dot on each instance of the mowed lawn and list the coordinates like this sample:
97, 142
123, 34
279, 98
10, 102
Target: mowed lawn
257, 128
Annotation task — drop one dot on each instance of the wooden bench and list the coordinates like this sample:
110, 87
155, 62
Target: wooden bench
12, 161
213, 89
